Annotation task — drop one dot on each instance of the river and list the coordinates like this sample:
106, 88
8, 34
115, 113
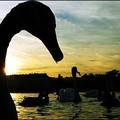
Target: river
89, 109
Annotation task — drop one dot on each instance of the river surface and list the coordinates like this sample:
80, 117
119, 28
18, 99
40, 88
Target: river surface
89, 109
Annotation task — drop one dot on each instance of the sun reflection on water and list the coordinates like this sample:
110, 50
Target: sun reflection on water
88, 109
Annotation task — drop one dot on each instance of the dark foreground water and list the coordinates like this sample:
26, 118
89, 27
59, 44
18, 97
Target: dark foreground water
89, 109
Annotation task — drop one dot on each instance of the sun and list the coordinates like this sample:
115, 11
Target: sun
12, 66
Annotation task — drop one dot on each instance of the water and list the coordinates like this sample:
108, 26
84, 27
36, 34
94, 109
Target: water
89, 109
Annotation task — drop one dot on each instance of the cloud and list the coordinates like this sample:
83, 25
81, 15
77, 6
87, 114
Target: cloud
88, 34
67, 16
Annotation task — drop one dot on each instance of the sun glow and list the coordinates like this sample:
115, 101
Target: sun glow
12, 66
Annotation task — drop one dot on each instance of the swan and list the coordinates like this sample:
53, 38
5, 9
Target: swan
37, 19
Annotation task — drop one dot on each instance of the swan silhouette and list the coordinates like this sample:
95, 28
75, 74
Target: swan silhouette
37, 19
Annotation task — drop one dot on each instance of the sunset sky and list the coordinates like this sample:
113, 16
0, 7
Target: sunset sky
88, 33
